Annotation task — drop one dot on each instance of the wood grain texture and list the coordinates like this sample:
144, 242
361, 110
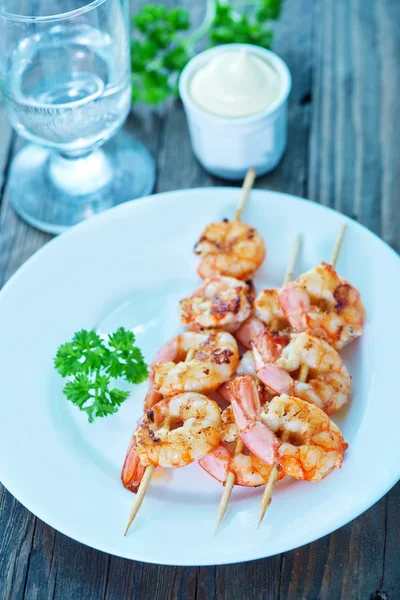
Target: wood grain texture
343, 151
6, 136
294, 41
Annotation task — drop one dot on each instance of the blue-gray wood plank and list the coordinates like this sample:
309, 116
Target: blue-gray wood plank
343, 151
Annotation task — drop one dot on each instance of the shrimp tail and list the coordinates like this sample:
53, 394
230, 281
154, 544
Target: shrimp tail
132, 470
276, 379
216, 463
249, 331
247, 391
255, 435
295, 303
243, 389
167, 352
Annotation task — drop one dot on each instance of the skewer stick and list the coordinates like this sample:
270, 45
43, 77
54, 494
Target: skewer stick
292, 261
246, 189
338, 245
144, 484
273, 476
289, 271
229, 485
230, 480
267, 495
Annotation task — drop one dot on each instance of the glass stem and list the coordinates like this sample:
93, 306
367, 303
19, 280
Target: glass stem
80, 176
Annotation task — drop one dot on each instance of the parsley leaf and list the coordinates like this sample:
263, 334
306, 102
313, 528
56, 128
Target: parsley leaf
90, 363
84, 353
127, 360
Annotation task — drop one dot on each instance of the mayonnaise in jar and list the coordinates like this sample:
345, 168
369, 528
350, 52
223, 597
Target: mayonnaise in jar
235, 83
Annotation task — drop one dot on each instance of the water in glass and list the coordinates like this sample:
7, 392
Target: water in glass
69, 88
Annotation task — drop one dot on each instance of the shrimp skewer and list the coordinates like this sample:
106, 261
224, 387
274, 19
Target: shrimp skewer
148, 473
230, 481
266, 499
197, 421
160, 380
273, 477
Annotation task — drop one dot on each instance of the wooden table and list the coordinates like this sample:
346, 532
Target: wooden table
343, 151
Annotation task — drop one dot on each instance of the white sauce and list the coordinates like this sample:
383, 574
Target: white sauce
235, 83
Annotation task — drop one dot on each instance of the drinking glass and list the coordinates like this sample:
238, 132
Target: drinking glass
66, 87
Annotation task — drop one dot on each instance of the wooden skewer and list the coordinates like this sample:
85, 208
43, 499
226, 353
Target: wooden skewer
229, 485
338, 245
273, 476
266, 499
292, 261
246, 189
144, 484
230, 480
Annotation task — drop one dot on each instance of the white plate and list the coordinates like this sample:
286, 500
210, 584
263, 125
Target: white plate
129, 267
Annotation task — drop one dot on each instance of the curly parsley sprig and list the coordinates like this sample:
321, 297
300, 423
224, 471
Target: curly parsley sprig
161, 47
91, 362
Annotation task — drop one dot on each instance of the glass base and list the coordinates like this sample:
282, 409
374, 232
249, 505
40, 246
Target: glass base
41, 192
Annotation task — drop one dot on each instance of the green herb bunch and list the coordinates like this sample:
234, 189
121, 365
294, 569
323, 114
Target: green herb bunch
161, 46
90, 363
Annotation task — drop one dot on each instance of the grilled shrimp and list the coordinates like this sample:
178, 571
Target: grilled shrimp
178, 431
220, 303
267, 309
310, 445
248, 469
215, 360
230, 248
267, 312
325, 305
277, 355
